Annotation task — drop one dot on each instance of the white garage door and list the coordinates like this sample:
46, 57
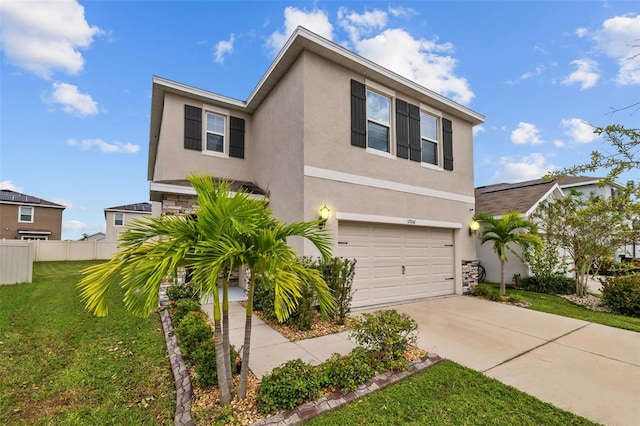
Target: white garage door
397, 263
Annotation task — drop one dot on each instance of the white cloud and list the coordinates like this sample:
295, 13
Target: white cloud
223, 47
526, 133
586, 74
527, 167
74, 225
419, 60
529, 74
7, 184
559, 143
478, 129
72, 101
357, 25
579, 130
617, 38
315, 20
43, 37
402, 11
582, 32
116, 147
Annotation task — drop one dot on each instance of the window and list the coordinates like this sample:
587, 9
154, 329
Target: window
378, 121
118, 219
215, 133
215, 129
25, 214
429, 138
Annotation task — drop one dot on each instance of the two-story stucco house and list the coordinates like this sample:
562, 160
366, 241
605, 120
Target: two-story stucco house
390, 159
117, 217
25, 217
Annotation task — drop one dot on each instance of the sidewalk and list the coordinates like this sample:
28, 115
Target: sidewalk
270, 349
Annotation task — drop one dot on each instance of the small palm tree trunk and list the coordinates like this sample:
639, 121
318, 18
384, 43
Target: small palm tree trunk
226, 346
246, 350
503, 287
224, 380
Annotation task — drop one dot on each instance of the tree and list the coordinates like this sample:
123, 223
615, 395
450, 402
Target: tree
509, 229
624, 158
229, 231
588, 229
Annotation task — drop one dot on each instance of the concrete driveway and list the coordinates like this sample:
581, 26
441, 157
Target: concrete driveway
585, 368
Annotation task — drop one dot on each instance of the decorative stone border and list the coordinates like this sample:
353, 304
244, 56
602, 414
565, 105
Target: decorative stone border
178, 368
337, 399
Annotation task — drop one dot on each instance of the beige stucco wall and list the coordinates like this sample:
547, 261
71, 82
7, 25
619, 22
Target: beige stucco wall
112, 232
173, 161
44, 218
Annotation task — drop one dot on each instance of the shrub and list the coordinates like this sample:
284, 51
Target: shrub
193, 331
346, 372
549, 284
288, 386
338, 274
263, 300
481, 290
622, 293
182, 291
388, 333
205, 363
178, 309
302, 317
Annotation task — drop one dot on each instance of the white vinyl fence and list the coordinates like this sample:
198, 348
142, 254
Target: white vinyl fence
17, 257
16, 262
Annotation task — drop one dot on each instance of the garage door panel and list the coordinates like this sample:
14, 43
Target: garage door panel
382, 250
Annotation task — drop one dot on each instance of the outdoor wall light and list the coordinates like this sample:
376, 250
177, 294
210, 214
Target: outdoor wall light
325, 212
474, 226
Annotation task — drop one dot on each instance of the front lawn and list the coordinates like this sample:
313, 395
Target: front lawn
449, 394
61, 365
553, 304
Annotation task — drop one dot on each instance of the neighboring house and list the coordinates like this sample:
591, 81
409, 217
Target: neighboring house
390, 159
117, 217
98, 236
524, 197
24, 217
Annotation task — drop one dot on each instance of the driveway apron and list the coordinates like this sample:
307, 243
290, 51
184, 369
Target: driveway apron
585, 368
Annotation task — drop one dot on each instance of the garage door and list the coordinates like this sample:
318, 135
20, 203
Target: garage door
397, 263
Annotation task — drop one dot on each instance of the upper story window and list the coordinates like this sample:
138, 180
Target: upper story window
215, 132
378, 121
220, 138
25, 214
429, 138
118, 219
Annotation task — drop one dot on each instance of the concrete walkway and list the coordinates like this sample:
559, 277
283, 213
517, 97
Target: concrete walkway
585, 368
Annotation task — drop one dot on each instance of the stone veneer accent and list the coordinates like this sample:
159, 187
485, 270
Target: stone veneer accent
175, 204
469, 274
178, 368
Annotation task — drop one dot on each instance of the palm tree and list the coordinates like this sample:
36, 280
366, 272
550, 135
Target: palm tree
510, 228
230, 230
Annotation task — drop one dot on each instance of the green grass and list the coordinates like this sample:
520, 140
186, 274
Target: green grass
449, 394
553, 304
61, 365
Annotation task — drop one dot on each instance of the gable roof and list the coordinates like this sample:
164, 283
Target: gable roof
142, 208
524, 196
12, 197
301, 40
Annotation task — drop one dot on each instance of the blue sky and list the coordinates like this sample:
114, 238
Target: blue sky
76, 79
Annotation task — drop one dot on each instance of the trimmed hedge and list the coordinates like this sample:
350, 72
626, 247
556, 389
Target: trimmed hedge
551, 284
622, 293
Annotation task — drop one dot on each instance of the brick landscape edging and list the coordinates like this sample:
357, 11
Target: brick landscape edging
178, 368
337, 399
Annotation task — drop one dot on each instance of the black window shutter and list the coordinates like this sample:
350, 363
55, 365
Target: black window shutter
402, 128
358, 114
236, 138
415, 151
192, 127
447, 143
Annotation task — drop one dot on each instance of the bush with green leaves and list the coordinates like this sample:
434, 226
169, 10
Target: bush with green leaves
346, 372
338, 273
181, 307
205, 363
622, 293
288, 386
303, 316
263, 300
485, 291
388, 334
549, 284
182, 291
192, 332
